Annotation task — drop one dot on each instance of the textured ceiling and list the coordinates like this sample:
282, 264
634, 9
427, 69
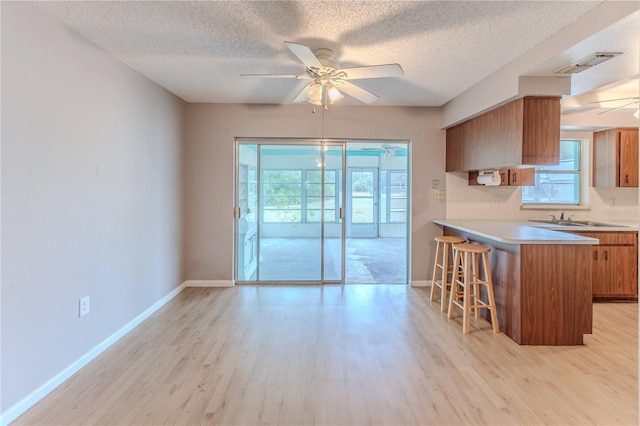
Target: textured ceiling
197, 50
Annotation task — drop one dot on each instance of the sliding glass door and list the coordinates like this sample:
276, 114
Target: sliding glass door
289, 200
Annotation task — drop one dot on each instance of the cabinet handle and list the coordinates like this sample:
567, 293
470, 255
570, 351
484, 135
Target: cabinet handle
606, 255
595, 255
515, 177
626, 179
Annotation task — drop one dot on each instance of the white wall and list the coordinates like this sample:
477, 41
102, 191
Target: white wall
606, 204
91, 196
211, 132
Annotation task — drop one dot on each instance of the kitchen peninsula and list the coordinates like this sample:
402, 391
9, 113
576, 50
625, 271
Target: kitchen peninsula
541, 278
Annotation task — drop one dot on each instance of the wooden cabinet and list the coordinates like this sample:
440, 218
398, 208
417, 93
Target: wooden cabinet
615, 265
628, 140
510, 177
542, 291
615, 158
522, 177
525, 131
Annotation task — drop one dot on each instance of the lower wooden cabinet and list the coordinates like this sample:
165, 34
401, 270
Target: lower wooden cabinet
615, 265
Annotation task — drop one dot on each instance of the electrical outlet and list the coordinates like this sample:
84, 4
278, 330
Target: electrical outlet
84, 306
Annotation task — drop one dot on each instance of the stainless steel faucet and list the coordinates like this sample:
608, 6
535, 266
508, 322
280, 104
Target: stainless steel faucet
561, 215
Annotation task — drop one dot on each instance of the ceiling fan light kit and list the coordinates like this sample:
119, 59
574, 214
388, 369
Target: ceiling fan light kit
334, 94
329, 81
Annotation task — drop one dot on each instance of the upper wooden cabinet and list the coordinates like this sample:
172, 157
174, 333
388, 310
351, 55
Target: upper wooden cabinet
522, 132
510, 177
615, 158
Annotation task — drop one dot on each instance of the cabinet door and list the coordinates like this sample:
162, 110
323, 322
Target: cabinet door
628, 140
604, 159
614, 272
504, 177
522, 177
624, 272
601, 275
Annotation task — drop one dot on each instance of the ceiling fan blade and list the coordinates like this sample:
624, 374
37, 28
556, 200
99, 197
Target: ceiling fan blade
302, 96
304, 54
358, 92
614, 100
298, 76
374, 71
618, 107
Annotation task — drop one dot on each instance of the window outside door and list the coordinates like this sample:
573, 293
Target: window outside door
362, 203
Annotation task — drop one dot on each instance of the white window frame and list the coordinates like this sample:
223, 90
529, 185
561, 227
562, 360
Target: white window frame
583, 182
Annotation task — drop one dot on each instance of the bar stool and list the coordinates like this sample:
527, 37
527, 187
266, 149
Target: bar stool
466, 282
443, 247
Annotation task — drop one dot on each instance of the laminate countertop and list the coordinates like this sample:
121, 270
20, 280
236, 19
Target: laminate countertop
516, 232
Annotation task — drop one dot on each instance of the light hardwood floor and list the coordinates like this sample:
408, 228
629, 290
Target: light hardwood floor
354, 355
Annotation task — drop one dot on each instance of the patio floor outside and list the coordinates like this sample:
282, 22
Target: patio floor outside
367, 261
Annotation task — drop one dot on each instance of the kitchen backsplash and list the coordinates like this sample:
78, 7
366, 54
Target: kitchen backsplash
504, 203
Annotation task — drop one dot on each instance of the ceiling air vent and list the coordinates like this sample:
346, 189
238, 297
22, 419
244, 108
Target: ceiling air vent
588, 62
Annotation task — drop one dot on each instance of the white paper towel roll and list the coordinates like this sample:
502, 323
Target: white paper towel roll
489, 178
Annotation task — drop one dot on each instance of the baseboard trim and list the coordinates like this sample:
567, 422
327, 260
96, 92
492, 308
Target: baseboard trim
421, 283
208, 283
29, 401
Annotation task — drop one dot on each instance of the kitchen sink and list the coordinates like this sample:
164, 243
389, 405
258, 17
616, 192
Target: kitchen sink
560, 222
591, 223
575, 223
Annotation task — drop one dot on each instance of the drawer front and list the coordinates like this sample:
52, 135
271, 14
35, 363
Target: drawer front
613, 238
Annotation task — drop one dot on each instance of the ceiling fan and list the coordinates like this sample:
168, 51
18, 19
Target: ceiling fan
385, 150
328, 81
